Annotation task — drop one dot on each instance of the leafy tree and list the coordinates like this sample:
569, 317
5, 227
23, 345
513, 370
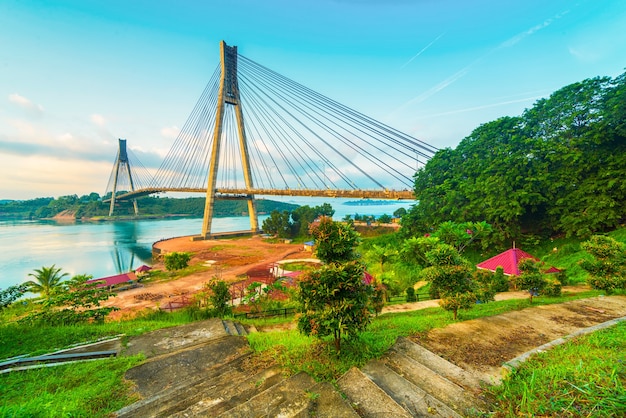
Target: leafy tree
607, 263
176, 260
278, 224
335, 301
531, 278
384, 219
334, 242
450, 277
219, 297
410, 294
47, 281
381, 255
557, 168
399, 213
76, 301
11, 294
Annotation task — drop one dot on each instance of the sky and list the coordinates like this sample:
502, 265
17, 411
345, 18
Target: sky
76, 75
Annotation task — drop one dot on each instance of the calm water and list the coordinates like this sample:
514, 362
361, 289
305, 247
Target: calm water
108, 248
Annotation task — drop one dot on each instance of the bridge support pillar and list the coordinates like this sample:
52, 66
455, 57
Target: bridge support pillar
228, 94
122, 163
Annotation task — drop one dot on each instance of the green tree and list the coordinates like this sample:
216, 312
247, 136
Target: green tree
606, 264
278, 224
74, 302
410, 294
384, 219
47, 281
219, 297
531, 278
334, 242
11, 294
399, 213
450, 276
335, 301
176, 260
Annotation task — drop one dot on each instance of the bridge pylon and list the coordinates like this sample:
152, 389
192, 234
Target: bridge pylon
228, 94
122, 165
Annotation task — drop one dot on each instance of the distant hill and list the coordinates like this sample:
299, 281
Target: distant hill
90, 206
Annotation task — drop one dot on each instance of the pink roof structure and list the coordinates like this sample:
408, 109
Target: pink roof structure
142, 268
508, 260
113, 280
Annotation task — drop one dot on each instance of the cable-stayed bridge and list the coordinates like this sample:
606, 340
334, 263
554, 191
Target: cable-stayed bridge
256, 132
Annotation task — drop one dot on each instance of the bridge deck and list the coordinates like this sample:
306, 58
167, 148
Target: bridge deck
243, 193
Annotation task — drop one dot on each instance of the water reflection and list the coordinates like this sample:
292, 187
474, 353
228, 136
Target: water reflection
127, 251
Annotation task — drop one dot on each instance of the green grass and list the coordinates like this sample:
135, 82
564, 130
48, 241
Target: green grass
17, 339
584, 377
298, 353
88, 389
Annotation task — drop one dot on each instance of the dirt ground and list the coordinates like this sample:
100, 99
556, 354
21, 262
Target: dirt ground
229, 257
482, 345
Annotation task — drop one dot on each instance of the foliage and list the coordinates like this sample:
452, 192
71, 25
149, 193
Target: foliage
219, 297
335, 301
410, 294
531, 278
74, 302
91, 205
176, 260
607, 263
461, 235
500, 281
334, 242
11, 294
450, 278
556, 169
399, 213
278, 224
384, 219
47, 281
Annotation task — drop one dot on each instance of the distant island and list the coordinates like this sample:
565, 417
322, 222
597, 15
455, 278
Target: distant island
370, 202
91, 207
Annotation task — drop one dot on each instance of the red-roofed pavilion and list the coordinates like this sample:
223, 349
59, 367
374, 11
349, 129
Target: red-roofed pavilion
508, 260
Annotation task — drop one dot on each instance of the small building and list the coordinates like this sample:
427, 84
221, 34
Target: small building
309, 245
112, 281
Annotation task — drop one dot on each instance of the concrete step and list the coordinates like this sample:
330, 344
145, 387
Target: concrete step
186, 393
321, 401
181, 367
448, 392
368, 399
412, 398
272, 398
241, 330
438, 364
217, 399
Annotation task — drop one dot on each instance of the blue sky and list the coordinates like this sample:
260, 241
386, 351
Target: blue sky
76, 75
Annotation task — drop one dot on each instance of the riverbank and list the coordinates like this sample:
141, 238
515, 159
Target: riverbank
229, 259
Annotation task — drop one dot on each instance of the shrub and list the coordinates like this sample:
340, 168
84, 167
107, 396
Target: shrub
176, 260
410, 294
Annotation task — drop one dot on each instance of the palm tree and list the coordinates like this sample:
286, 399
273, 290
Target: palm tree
47, 280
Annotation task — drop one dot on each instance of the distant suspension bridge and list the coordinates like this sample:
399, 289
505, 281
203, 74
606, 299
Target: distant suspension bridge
256, 132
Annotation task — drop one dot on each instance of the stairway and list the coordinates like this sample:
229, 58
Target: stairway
187, 376
410, 381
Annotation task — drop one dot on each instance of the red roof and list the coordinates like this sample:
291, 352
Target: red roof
143, 268
113, 280
508, 260
553, 270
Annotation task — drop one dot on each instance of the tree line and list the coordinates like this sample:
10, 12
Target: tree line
91, 205
559, 168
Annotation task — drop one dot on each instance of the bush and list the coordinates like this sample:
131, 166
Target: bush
410, 294
552, 288
176, 261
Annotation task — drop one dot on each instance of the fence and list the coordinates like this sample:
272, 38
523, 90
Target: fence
284, 312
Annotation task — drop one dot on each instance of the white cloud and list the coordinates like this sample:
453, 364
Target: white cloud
26, 104
170, 132
98, 120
